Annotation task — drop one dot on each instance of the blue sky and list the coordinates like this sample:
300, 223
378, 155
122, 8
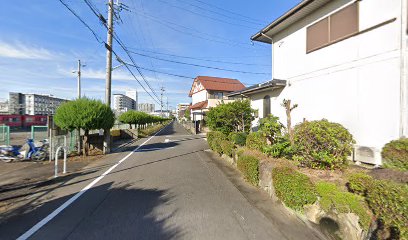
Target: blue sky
41, 41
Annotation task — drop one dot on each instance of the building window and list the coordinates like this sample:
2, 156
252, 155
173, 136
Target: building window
266, 106
337, 26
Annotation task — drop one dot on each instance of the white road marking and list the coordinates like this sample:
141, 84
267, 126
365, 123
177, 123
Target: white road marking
153, 149
40, 224
167, 140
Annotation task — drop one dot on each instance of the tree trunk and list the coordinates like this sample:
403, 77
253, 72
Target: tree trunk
86, 143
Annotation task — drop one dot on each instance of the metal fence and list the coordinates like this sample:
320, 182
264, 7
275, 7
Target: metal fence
4, 135
68, 140
39, 133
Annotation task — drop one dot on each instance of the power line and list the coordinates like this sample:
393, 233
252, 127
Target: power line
198, 65
202, 59
205, 16
103, 42
122, 45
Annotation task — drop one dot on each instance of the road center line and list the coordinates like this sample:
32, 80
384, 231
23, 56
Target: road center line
40, 224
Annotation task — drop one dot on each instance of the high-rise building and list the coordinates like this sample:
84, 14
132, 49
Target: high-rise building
146, 107
181, 109
133, 95
123, 103
33, 104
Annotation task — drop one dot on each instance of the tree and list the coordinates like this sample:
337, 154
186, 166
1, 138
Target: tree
271, 129
287, 105
231, 117
187, 114
139, 118
86, 114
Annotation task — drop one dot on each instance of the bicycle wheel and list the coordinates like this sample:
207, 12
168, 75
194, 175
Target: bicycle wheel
39, 156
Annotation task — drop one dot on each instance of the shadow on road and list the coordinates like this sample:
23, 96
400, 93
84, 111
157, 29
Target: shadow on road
104, 212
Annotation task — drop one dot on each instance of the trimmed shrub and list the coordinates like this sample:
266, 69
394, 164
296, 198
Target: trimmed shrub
359, 182
238, 138
395, 154
389, 202
280, 149
293, 188
249, 166
227, 147
214, 141
255, 141
271, 128
343, 202
322, 144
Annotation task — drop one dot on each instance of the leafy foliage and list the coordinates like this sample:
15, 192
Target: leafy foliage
271, 129
214, 140
238, 138
255, 141
282, 148
230, 117
227, 147
84, 113
322, 144
249, 166
389, 202
293, 188
359, 182
187, 114
395, 154
135, 117
343, 202
150, 130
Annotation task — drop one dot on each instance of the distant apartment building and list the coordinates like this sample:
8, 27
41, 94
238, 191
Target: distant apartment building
146, 107
181, 109
123, 103
4, 107
33, 104
133, 95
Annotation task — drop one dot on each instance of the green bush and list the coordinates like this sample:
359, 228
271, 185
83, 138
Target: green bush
256, 141
238, 138
249, 166
389, 202
359, 182
395, 154
271, 128
293, 188
343, 202
282, 148
322, 144
214, 141
227, 147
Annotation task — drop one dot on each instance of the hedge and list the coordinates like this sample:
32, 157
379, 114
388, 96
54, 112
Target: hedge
255, 141
293, 188
238, 138
344, 202
249, 166
214, 141
227, 147
395, 154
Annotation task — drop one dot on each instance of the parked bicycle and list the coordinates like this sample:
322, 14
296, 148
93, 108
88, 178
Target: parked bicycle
34, 153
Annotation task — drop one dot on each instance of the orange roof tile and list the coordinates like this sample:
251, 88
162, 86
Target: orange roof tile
219, 84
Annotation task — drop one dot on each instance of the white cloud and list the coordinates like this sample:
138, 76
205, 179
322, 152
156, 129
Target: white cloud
22, 51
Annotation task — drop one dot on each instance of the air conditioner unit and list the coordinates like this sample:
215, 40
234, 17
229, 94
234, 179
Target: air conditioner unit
370, 155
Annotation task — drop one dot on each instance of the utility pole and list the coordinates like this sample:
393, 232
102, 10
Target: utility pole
79, 79
106, 143
161, 101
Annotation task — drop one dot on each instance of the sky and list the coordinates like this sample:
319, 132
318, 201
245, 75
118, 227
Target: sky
41, 42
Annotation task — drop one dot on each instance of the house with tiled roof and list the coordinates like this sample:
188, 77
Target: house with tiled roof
207, 92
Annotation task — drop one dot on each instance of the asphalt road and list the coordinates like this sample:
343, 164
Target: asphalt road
170, 188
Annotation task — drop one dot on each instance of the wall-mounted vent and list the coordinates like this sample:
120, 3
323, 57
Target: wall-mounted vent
368, 155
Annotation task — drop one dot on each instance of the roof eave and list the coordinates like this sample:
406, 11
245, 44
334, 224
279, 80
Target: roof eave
274, 84
291, 12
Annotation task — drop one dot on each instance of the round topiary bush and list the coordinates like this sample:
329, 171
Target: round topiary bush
255, 141
238, 138
322, 144
359, 182
395, 154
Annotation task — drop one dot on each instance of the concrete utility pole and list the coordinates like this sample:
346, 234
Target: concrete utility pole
79, 79
108, 91
161, 101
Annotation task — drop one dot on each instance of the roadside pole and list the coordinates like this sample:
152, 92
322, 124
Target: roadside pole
108, 45
78, 131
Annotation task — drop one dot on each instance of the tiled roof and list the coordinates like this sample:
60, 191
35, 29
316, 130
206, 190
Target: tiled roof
219, 84
199, 105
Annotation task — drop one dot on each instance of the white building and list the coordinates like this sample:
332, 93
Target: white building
181, 109
133, 95
208, 92
123, 103
342, 60
33, 104
146, 107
